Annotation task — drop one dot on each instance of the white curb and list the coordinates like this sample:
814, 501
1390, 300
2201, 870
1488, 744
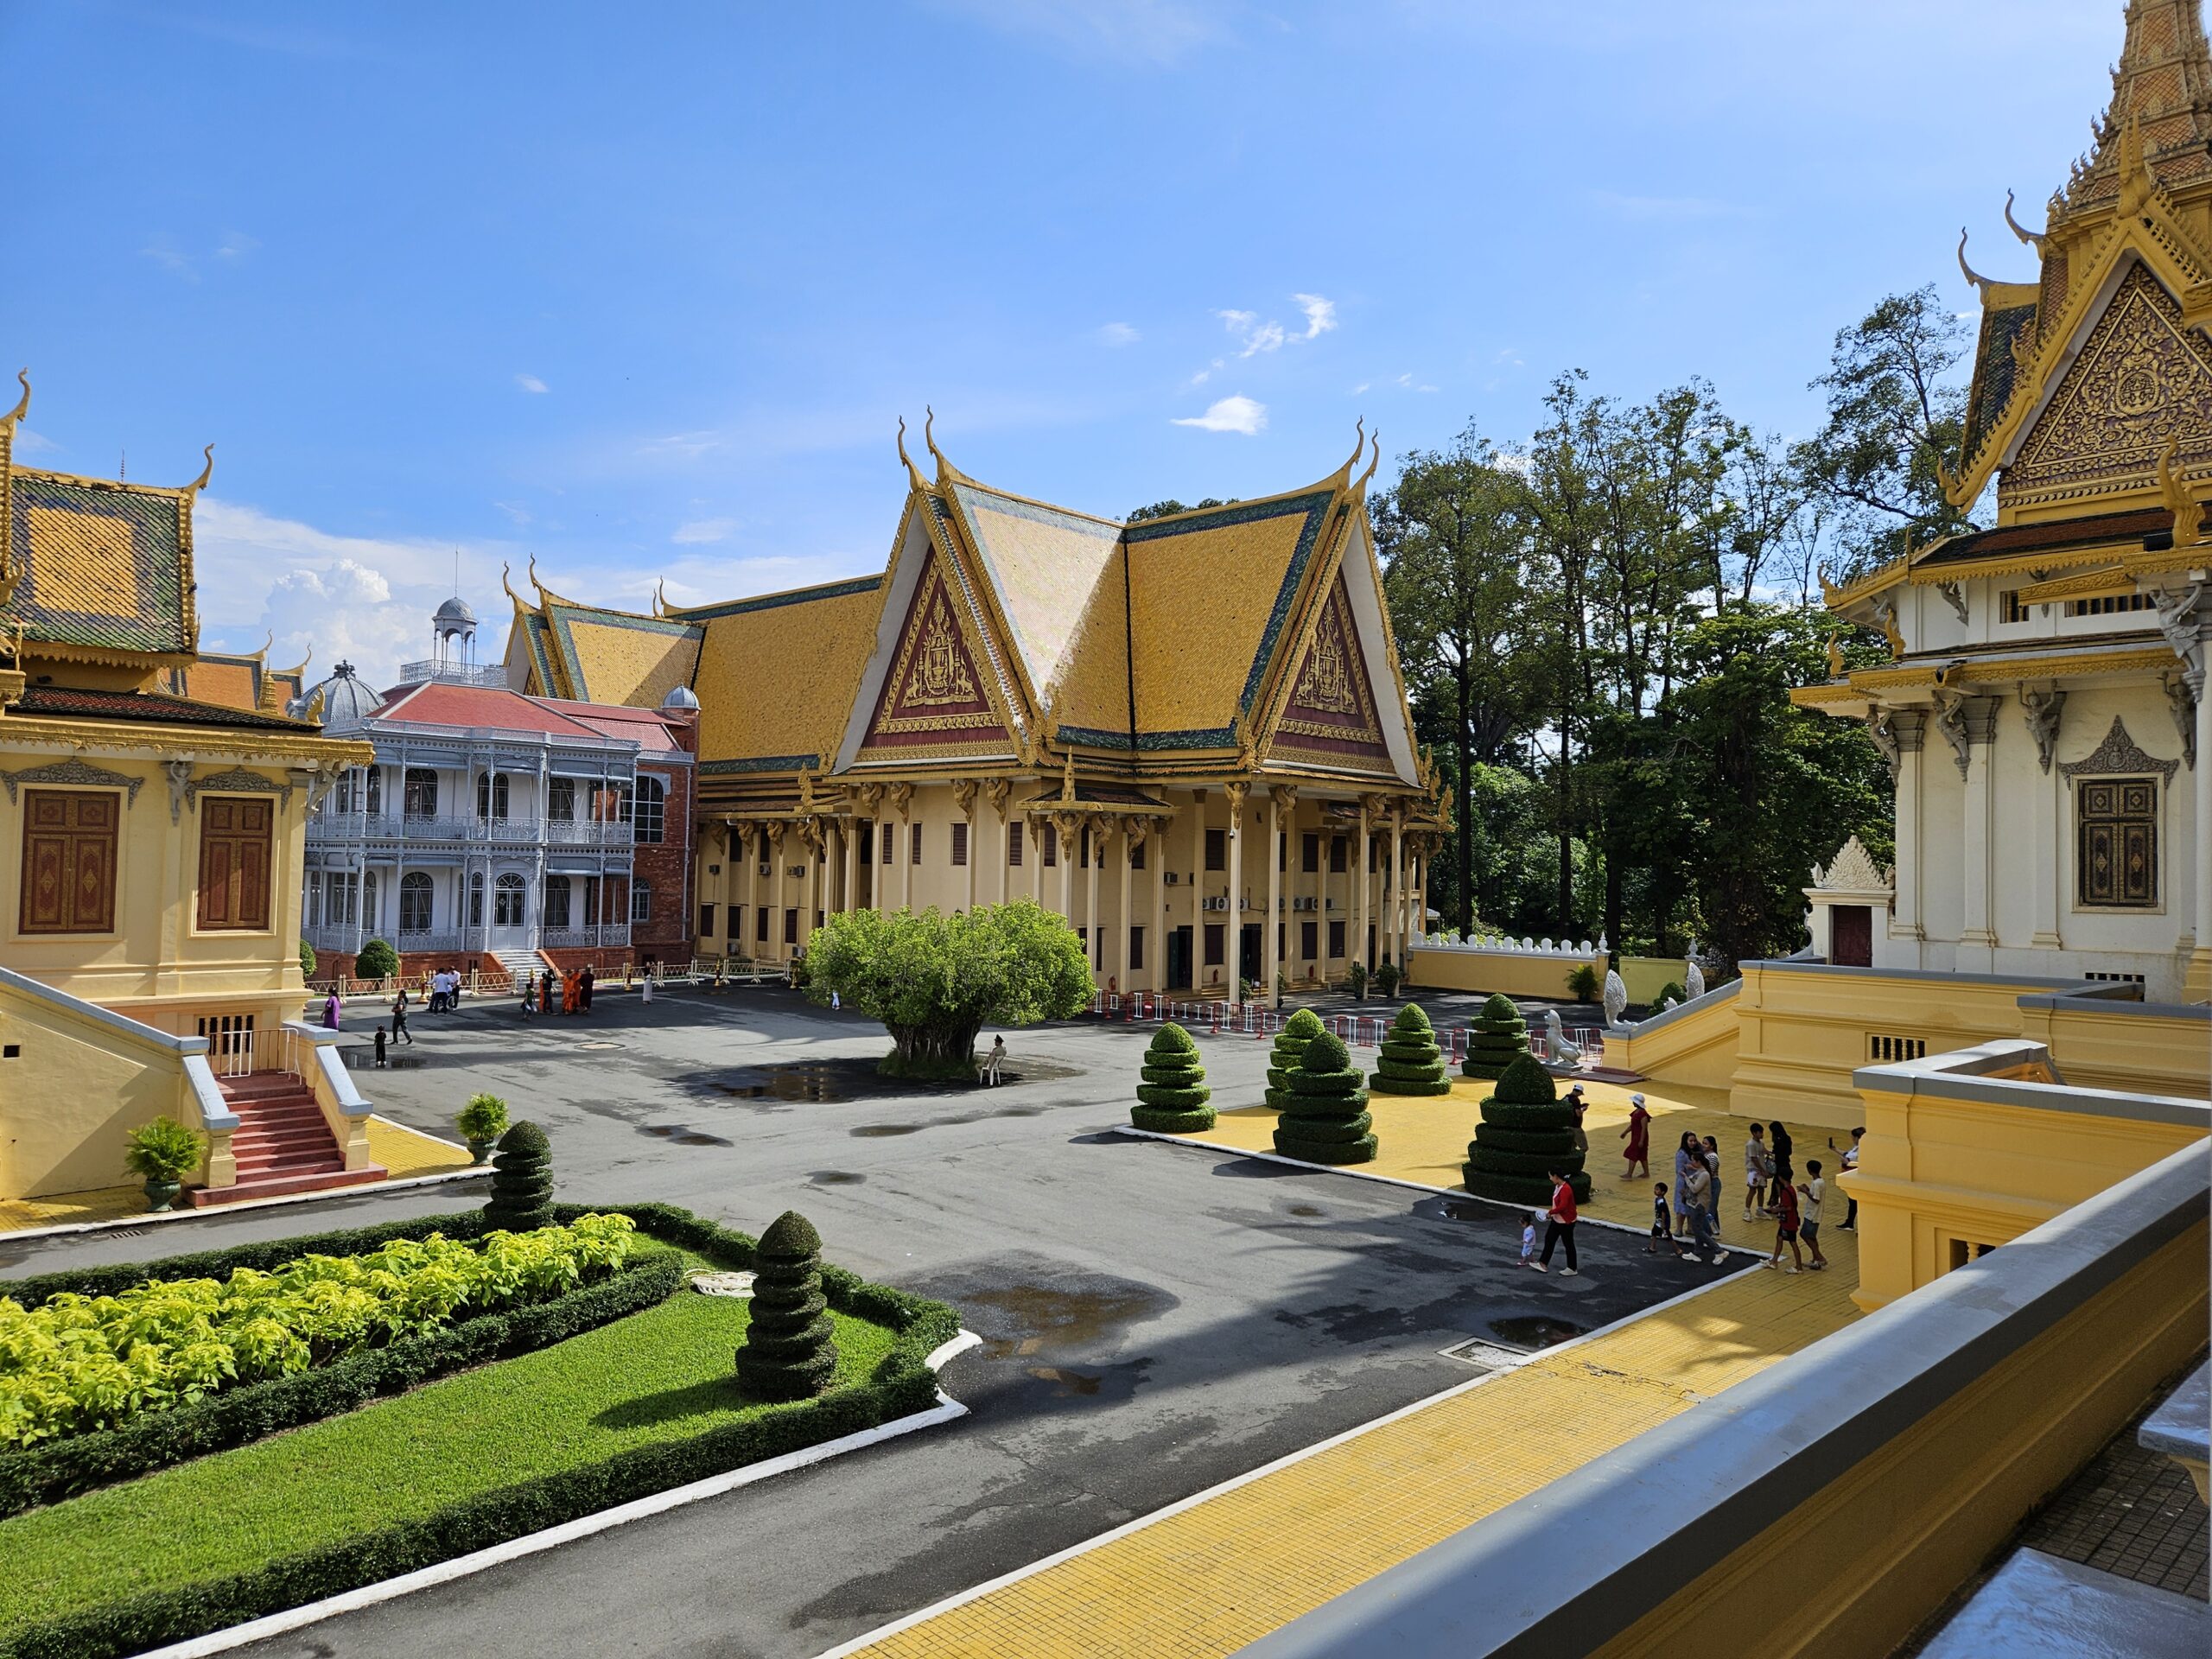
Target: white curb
460, 1566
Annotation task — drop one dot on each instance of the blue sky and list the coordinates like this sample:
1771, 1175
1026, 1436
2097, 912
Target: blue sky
642, 290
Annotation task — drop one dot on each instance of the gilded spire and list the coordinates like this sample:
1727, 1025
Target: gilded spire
22, 404
1975, 280
1360, 487
2163, 81
1342, 475
206, 472
945, 470
912, 471
2033, 239
504, 568
660, 596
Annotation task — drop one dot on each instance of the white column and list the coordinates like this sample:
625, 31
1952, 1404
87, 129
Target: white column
1097, 828
1235, 934
773, 841
1976, 940
2200, 971
849, 831
1356, 947
1270, 940
2054, 867
1121, 956
1397, 945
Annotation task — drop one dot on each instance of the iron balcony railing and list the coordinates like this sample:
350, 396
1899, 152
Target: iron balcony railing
453, 673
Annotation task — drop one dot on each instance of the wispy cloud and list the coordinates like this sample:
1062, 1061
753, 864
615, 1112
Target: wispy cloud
699, 530
1118, 333
1156, 32
1406, 382
181, 261
681, 446
530, 383
28, 442
1320, 314
1251, 334
1238, 414
517, 514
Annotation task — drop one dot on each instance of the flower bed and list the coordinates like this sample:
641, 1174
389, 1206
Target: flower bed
629, 1409
72, 1363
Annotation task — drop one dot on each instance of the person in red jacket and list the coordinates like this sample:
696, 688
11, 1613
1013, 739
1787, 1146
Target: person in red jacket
1560, 1226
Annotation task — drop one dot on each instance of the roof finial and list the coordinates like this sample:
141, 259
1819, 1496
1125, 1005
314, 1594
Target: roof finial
534, 581
912, 471
660, 597
264, 652
1975, 278
2033, 239
1358, 447
2187, 511
943, 466
206, 472
1361, 486
22, 404
504, 568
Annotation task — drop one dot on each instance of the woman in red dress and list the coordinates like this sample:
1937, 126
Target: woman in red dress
1638, 1132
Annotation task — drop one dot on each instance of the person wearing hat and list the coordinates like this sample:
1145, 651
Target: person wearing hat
1637, 1132
1581, 1104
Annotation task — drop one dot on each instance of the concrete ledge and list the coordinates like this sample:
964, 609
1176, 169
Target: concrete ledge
1659, 1022
122, 1024
1963, 1074
1826, 1455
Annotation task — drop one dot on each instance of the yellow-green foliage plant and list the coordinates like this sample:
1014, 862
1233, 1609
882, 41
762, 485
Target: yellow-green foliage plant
1301, 1028
1173, 1097
1327, 1121
73, 1363
1412, 1061
1527, 1134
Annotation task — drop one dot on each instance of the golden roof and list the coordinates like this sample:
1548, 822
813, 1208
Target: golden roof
776, 675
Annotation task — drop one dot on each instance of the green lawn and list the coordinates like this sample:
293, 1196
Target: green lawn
665, 1373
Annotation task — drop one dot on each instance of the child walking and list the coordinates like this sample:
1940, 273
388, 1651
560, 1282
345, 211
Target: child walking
1808, 1224
1660, 1225
1785, 1230
1759, 1169
1528, 1239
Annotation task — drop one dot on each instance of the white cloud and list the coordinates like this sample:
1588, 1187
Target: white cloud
1118, 333
236, 246
681, 446
28, 442
699, 530
1238, 414
164, 252
1250, 332
517, 514
1320, 314
1408, 382
530, 383
1360, 388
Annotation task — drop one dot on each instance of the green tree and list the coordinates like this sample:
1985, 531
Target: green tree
307, 960
1527, 1134
1896, 422
1498, 1037
934, 980
1301, 1028
376, 960
1171, 506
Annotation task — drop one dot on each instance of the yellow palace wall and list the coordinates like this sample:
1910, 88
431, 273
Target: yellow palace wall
71, 1096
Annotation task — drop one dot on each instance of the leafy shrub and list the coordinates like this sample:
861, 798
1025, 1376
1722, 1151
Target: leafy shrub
376, 960
163, 1150
1673, 988
1499, 1036
1525, 1103
307, 960
1172, 1099
73, 1364
789, 1351
1301, 1028
484, 1118
1326, 1122
1412, 1061
1584, 984
522, 1180
1356, 979
1386, 977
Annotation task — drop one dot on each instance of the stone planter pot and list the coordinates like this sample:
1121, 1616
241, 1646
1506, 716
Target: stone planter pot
480, 1151
161, 1195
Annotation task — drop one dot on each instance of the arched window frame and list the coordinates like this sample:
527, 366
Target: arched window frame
641, 900
649, 810
510, 900
418, 902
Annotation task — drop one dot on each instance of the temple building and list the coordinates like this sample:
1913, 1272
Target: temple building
155, 812
1188, 735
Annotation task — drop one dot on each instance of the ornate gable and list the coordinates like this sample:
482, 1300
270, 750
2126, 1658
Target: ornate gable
1330, 714
934, 695
2142, 378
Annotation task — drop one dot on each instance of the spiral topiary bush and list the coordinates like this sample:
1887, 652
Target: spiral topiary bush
1525, 1134
1412, 1062
789, 1352
1499, 1036
1172, 1099
1327, 1120
522, 1181
1299, 1030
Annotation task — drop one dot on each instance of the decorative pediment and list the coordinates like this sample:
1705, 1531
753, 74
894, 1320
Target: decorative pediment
2119, 754
1852, 870
77, 772
1330, 711
237, 781
2142, 381
934, 695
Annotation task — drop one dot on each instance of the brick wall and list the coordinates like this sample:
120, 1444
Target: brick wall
667, 937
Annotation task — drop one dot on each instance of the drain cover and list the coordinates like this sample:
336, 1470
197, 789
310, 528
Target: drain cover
1484, 1356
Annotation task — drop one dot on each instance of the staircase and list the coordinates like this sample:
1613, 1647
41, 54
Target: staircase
282, 1144
519, 964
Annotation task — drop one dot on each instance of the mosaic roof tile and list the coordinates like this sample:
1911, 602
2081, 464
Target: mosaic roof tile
617, 656
78, 703
104, 565
776, 675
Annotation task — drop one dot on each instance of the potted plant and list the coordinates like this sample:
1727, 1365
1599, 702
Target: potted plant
1386, 978
164, 1151
1583, 984
1356, 981
482, 1122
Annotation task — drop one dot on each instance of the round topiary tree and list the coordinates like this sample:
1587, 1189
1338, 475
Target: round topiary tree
1301, 1028
376, 960
1412, 1062
522, 1181
1172, 1099
1326, 1122
1526, 1133
790, 1352
1499, 1036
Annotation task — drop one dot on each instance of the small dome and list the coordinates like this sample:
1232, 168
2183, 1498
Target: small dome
455, 610
680, 697
346, 700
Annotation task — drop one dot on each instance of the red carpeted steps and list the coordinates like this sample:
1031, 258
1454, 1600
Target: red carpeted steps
282, 1144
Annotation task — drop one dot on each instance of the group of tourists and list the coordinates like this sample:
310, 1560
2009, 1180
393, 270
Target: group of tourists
568, 992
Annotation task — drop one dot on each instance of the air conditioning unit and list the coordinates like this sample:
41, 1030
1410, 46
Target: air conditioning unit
1304, 904
1169, 878
767, 868
1221, 903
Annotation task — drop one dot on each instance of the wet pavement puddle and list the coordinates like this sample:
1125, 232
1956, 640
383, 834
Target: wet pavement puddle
1052, 1333
682, 1135
835, 1178
1530, 1331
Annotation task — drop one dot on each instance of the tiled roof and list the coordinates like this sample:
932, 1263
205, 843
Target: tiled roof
776, 675
104, 565
2050, 536
74, 702
490, 706
1994, 368
213, 677
607, 656
643, 726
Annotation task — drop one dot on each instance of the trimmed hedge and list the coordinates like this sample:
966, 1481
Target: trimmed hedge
1550, 1142
55, 1470
789, 1352
1326, 1120
903, 1384
1301, 1028
1412, 1061
522, 1181
1498, 1037
1525, 1102
1172, 1099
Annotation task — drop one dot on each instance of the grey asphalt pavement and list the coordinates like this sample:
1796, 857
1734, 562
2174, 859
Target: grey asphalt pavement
1156, 1319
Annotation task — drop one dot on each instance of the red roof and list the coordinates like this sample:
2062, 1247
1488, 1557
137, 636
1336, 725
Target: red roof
648, 730
437, 702
146, 706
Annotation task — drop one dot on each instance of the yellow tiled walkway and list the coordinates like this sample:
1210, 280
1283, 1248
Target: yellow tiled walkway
1224, 1572
401, 1150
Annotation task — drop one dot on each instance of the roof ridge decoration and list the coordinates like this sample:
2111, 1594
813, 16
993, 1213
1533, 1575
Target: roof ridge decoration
206, 472
9, 574
2163, 82
2033, 239
2118, 754
1852, 870
946, 472
22, 404
912, 471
